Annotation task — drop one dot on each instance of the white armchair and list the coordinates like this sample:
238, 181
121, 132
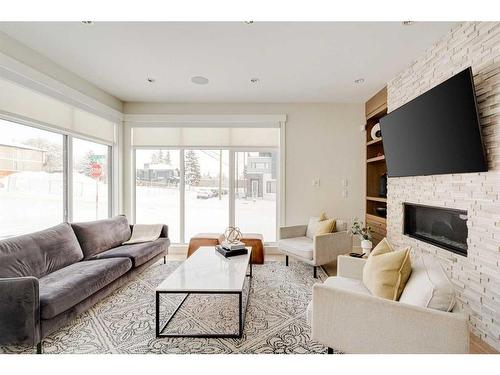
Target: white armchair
345, 316
317, 250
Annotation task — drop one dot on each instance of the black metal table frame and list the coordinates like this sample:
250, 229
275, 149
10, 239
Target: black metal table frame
241, 312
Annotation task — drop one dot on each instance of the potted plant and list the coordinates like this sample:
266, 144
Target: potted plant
365, 232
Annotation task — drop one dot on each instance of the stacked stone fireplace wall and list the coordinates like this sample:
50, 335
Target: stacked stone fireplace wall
477, 276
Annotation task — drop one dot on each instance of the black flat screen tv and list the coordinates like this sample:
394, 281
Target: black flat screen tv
436, 133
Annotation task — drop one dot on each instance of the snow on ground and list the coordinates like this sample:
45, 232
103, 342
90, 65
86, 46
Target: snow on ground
31, 201
161, 205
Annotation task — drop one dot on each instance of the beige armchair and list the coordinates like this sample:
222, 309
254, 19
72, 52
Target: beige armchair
344, 315
318, 250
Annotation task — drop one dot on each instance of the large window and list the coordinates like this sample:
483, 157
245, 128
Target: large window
91, 188
255, 193
34, 193
158, 189
192, 190
31, 179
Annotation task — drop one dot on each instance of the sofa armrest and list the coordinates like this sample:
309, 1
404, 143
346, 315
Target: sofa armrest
350, 267
164, 230
359, 323
327, 247
293, 231
19, 311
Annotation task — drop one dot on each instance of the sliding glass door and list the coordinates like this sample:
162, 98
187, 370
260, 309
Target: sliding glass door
158, 189
255, 186
204, 190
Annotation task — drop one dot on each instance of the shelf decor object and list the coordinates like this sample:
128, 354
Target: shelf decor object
375, 132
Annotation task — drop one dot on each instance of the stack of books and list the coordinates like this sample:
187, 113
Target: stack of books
231, 249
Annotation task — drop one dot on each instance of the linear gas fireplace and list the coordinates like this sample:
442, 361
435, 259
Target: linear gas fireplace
443, 227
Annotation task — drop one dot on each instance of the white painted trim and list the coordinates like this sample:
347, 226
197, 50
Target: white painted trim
133, 181
282, 179
182, 197
232, 196
15, 71
69, 177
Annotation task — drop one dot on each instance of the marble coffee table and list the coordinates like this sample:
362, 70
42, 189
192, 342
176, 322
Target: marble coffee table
207, 272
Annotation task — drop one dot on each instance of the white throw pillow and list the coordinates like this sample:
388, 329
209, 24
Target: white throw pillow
340, 226
428, 286
312, 227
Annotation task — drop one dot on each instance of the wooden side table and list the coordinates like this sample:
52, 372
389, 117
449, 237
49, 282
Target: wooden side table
202, 239
255, 240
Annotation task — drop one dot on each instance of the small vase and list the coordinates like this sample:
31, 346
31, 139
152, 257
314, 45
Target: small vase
366, 245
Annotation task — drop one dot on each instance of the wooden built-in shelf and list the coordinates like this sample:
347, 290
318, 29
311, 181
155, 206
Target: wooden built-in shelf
375, 159
377, 199
374, 142
376, 218
376, 167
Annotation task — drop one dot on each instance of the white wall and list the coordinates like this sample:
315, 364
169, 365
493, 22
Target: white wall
25, 55
323, 140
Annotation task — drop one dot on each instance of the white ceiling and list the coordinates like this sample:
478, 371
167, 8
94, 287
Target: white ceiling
295, 61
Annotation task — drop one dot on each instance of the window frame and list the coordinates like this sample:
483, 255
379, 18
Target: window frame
109, 165
231, 209
67, 208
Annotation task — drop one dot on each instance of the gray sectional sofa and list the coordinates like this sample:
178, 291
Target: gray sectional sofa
49, 277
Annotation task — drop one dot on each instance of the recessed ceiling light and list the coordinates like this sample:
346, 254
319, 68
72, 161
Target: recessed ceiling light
359, 81
407, 23
150, 80
199, 80
248, 22
254, 80
88, 22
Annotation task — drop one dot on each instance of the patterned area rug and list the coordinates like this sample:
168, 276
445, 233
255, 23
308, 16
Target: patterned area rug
124, 322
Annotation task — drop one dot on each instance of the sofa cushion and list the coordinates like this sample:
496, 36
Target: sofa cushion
340, 225
300, 246
40, 253
101, 235
428, 286
70, 285
139, 253
312, 226
386, 271
325, 226
345, 283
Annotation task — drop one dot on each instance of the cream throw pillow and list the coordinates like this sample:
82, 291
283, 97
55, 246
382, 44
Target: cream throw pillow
325, 226
429, 286
312, 227
386, 271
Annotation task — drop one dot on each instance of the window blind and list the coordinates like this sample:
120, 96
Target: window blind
206, 136
19, 100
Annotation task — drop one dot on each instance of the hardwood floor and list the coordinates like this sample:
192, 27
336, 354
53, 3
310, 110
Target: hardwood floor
477, 346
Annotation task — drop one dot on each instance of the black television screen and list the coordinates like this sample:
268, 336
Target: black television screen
435, 133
